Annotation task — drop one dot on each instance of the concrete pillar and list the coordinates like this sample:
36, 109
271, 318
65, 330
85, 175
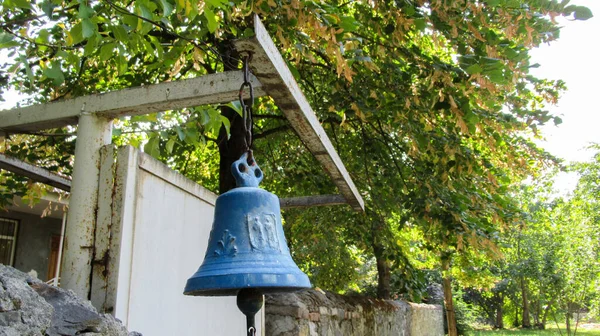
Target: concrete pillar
93, 132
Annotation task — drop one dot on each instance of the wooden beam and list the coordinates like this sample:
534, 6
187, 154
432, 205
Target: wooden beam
33, 172
310, 201
209, 89
268, 66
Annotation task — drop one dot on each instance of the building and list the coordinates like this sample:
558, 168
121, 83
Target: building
30, 236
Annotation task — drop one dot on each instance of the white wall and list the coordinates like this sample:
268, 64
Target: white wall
162, 244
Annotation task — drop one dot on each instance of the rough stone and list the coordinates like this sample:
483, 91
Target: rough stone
426, 320
29, 307
435, 294
332, 315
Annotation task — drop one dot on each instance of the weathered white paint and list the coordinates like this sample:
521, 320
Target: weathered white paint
103, 226
93, 133
208, 89
311, 201
33, 172
122, 233
164, 221
172, 177
270, 68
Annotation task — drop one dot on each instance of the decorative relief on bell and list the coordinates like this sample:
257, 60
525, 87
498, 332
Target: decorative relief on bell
262, 232
226, 245
246, 247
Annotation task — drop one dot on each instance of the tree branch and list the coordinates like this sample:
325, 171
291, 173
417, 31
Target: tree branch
267, 116
271, 131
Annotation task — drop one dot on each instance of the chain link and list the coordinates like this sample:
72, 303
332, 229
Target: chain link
251, 331
247, 109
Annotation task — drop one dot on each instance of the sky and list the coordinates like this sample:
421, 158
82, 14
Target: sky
574, 58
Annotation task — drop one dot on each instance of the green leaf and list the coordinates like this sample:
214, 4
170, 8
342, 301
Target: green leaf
217, 3
583, 13
211, 19
227, 125
7, 41
119, 32
236, 106
474, 69
496, 76
106, 52
557, 121
348, 23
145, 11
169, 145
25, 4
25, 63
88, 28
47, 7
180, 133
54, 72
122, 65
152, 146
90, 46
420, 24
75, 35
43, 36
85, 12
167, 8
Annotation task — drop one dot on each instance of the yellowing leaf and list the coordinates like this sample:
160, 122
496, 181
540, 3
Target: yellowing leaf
358, 112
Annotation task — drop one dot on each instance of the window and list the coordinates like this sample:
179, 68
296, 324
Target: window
8, 240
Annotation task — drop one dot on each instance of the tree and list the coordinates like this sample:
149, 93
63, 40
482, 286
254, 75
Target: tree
429, 103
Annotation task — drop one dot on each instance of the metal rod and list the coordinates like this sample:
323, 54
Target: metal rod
249, 302
250, 325
60, 248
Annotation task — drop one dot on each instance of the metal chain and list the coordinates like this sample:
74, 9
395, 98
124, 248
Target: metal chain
251, 331
247, 109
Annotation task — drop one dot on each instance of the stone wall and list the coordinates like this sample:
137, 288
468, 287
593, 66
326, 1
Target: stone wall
319, 313
29, 307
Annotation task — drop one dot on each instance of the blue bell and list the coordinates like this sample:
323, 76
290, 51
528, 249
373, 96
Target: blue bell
247, 247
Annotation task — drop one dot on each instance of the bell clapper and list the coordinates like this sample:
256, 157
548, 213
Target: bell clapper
249, 302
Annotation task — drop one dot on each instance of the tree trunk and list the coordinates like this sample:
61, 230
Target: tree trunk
545, 316
447, 285
499, 314
568, 319
232, 147
383, 273
538, 310
526, 321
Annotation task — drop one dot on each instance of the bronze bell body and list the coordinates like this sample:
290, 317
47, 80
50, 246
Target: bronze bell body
247, 247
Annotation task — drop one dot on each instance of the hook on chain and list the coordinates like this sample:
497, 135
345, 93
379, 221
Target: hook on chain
251, 331
247, 109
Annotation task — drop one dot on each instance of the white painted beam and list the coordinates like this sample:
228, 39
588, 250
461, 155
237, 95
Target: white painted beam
311, 201
35, 173
209, 89
268, 66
